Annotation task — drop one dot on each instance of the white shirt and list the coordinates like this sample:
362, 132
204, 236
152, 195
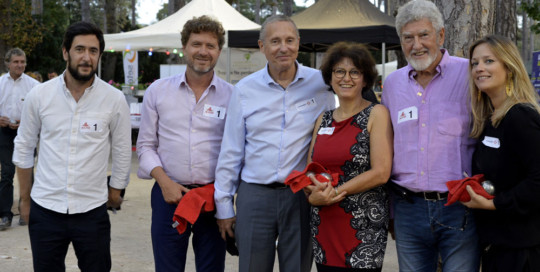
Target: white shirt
13, 93
75, 141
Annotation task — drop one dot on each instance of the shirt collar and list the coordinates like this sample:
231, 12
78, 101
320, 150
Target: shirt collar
183, 81
440, 68
66, 90
300, 74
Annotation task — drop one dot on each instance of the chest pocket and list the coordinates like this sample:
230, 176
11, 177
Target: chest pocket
453, 119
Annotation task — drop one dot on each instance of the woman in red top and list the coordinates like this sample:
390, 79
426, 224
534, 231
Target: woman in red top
349, 222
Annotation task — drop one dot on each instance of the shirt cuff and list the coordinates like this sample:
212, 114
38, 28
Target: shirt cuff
224, 206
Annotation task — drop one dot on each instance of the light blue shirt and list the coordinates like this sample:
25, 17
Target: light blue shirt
268, 131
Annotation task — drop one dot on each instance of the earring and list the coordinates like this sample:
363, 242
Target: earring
508, 85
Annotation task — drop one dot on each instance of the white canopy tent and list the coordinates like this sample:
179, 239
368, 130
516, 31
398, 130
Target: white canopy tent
165, 34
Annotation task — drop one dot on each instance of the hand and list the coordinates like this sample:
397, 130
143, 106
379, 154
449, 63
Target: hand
14, 126
24, 209
4, 121
226, 227
172, 192
115, 200
478, 201
324, 194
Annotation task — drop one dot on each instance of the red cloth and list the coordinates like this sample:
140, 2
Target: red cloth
457, 189
191, 205
298, 180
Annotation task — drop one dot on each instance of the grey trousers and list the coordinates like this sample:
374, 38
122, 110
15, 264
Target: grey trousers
265, 215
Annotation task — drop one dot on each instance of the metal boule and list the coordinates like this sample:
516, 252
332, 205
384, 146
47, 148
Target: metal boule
310, 173
327, 176
489, 187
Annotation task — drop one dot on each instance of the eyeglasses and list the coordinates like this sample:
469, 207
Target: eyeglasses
340, 73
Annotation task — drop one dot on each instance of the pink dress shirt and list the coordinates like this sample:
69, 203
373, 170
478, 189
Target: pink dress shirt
180, 134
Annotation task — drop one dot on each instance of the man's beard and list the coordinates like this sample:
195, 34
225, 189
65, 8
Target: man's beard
200, 70
77, 76
421, 65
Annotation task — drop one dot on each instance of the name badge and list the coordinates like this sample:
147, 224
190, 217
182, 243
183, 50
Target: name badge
408, 114
88, 126
326, 130
491, 142
214, 111
306, 105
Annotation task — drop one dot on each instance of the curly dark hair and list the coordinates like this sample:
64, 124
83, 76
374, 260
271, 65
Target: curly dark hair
203, 24
360, 57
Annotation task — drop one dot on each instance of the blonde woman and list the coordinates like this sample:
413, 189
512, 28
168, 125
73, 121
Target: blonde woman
507, 125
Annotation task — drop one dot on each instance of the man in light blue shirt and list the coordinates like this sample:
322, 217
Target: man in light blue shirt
267, 134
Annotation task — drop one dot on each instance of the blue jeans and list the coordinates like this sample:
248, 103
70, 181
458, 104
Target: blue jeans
426, 229
170, 247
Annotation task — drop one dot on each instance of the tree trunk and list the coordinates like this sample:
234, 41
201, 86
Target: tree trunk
465, 21
393, 7
258, 11
287, 7
506, 19
37, 7
108, 60
526, 33
175, 5
133, 14
85, 11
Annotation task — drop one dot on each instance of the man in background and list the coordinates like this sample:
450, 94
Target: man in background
13, 89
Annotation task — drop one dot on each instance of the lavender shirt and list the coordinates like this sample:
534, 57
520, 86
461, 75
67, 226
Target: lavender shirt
179, 134
431, 126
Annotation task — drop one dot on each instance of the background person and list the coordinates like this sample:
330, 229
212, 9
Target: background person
429, 107
354, 140
182, 123
507, 125
267, 135
79, 121
14, 86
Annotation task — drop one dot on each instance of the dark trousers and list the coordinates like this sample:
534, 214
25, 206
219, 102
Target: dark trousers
170, 247
52, 232
7, 172
502, 259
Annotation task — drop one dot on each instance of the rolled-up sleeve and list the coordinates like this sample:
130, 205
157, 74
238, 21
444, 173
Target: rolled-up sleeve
28, 132
121, 145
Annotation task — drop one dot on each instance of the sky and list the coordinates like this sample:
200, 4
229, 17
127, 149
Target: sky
147, 9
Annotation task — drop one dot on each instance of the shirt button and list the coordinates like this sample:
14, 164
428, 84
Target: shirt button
423, 101
193, 130
422, 173
423, 125
421, 149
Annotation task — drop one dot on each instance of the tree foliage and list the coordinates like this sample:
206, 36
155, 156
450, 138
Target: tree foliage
533, 10
18, 27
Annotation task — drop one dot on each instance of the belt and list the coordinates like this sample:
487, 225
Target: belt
406, 193
275, 185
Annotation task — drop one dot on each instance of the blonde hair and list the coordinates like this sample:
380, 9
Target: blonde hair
521, 88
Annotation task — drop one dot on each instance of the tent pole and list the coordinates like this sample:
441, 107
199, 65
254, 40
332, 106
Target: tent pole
383, 61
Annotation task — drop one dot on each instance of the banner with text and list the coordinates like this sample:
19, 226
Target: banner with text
131, 65
535, 74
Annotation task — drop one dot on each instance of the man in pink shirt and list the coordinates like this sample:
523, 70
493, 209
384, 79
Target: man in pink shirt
430, 112
182, 123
